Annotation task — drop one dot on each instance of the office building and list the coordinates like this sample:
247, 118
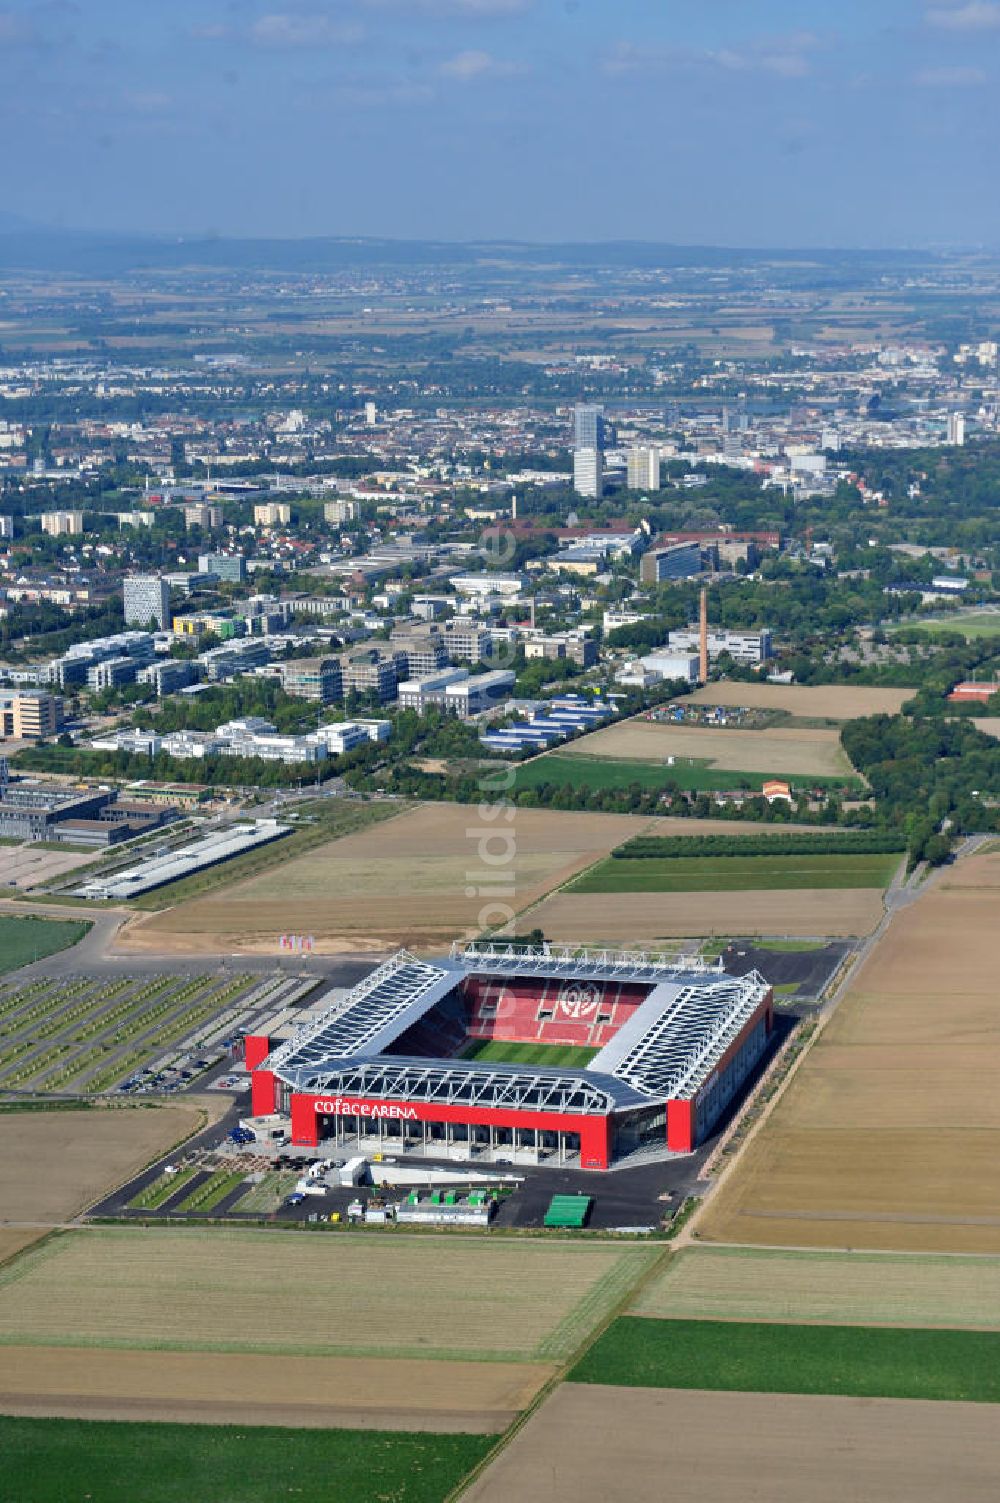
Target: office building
318, 679
62, 523
112, 673
747, 647
589, 430
430, 689
169, 675
677, 561
29, 714
367, 671
146, 598
231, 567
588, 472
644, 468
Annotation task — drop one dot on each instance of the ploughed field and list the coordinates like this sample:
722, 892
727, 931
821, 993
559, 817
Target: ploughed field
887, 1134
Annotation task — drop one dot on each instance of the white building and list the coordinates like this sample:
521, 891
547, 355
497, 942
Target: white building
750, 647
588, 472
146, 597
481, 586
6, 527
956, 428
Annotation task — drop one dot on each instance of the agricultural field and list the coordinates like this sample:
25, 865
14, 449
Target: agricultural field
866, 1361
886, 1136
55, 1164
810, 701
779, 752
573, 1056
737, 873
600, 774
645, 918
85, 1035
183, 1289
857, 1289
48, 1461
589, 1443
23, 940
405, 881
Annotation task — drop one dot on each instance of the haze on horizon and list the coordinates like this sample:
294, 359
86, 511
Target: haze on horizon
733, 122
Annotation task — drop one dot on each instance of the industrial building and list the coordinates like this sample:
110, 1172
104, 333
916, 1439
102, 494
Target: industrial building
665, 1051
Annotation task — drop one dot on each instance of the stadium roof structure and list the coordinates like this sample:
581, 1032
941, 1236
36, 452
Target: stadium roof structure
667, 1049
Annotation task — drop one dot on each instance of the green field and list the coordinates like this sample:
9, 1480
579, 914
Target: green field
870, 1362
981, 624
505, 1051
600, 773
53, 1460
23, 940
736, 873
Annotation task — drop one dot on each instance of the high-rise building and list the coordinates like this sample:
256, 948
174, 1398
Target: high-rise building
272, 514
644, 468
339, 512
29, 714
62, 523
588, 472
956, 428
6, 527
146, 598
588, 426
198, 514
371, 414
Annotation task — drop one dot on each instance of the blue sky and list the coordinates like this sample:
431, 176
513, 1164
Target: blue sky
734, 122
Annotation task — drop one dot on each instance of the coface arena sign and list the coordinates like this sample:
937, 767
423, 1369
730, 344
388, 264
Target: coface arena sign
342, 1106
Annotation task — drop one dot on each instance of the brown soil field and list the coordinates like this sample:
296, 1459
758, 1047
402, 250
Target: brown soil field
12, 1241
643, 917
55, 1164
589, 1443
782, 750
219, 1388
855, 1289
406, 881
832, 701
247, 1290
887, 1136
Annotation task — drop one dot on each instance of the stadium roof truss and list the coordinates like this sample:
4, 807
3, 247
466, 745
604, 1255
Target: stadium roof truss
666, 1050
459, 1083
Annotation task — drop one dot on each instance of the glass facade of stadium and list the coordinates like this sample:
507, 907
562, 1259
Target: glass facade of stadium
668, 1051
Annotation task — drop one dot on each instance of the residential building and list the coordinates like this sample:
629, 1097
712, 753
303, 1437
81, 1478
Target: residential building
340, 511
199, 514
146, 598
318, 679
29, 714
231, 567
956, 428
272, 514
677, 561
588, 472
643, 468
62, 523
6, 527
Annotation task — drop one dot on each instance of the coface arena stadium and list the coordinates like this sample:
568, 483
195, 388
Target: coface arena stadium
663, 1052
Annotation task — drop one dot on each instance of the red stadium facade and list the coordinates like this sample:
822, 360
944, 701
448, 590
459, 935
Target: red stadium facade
655, 1056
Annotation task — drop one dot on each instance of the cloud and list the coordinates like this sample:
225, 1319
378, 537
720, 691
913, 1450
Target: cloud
484, 9
146, 101
949, 78
466, 66
975, 15
280, 31
782, 57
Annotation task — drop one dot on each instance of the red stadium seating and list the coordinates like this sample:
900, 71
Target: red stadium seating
550, 1011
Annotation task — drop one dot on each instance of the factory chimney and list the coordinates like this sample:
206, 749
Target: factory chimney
703, 638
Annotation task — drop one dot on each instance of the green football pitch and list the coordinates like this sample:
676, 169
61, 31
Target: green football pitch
508, 1052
